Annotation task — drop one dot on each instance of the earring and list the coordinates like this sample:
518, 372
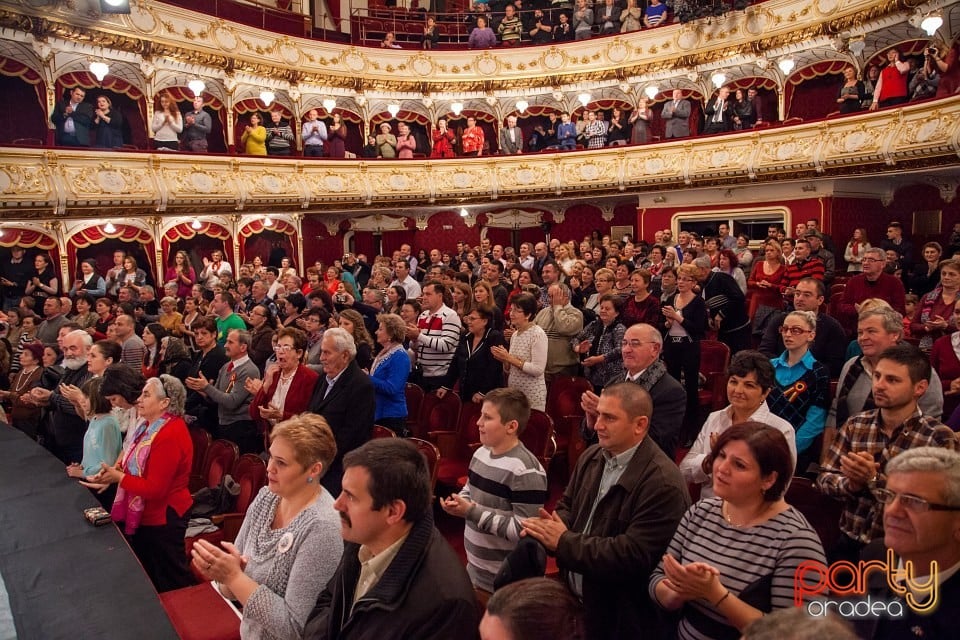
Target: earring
309, 479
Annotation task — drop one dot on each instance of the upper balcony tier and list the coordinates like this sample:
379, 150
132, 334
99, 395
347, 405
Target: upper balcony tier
158, 36
37, 182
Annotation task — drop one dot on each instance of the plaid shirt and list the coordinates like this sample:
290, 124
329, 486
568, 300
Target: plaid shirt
862, 517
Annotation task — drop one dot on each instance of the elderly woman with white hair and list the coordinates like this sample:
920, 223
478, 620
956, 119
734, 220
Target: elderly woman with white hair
152, 475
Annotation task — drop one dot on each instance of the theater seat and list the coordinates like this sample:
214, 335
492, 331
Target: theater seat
714, 360
437, 414
200, 613
432, 456
201, 442
538, 437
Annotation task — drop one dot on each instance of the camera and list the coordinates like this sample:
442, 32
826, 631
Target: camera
930, 51
340, 298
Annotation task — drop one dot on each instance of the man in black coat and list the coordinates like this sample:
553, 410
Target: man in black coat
642, 344
726, 306
73, 118
344, 396
398, 578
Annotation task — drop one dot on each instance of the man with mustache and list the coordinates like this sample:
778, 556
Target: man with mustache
398, 577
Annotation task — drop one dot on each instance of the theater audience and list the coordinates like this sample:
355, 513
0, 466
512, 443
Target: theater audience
600, 341
289, 545
389, 373
287, 384
934, 317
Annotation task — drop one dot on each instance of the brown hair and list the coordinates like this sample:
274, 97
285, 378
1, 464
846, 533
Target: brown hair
769, 448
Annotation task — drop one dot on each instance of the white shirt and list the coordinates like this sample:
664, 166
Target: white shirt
718, 422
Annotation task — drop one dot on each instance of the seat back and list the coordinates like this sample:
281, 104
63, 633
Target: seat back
250, 472
382, 432
432, 456
438, 414
221, 457
468, 433
823, 512
414, 399
714, 357
563, 403
201, 439
538, 437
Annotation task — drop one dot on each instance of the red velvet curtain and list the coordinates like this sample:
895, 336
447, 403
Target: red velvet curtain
23, 109
126, 98
254, 239
811, 92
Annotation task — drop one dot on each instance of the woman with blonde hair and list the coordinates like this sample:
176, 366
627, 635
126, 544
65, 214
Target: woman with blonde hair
483, 296
389, 373
765, 280
289, 545
463, 302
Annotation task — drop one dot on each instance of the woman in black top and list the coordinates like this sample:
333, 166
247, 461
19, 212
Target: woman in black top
852, 92
43, 281
473, 366
686, 323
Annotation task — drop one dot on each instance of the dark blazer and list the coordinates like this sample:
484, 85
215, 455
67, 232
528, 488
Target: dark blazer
629, 532
82, 121
198, 406
677, 119
424, 594
348, 409
669, 407
477, 372
726, 117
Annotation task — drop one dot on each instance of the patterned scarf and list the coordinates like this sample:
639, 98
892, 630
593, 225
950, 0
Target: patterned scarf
652, 374
129, 508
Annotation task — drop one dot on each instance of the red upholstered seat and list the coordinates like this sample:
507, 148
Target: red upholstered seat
563, 405
382, 432
200, 613
201, 442
457, 446
714, 360
432, 455
538, 437
218, 462
414, 396
437, 414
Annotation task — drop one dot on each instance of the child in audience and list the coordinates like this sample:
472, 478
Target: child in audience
101, 442
501, 468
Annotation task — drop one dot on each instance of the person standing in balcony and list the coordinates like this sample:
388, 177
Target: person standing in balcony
254, 137
167, 124
73, 119
719, 113
594, 132
608, 16
472, 139
564, 30
511, 138
197, 124
852, 93
482, 36
338, 138
631, 17
510, 28
891, 87
583, 21
676, 113
313, 132
443, 139
279, 135
386, 142
108, 123
406, 143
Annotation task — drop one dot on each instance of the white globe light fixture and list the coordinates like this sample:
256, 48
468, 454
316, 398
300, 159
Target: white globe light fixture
329, 105
99, 70
267, 97
931, 23
393, 109
584, 99
786, 65
522, 105
195, 225
718, 79
457, 108
197, 87
651, 91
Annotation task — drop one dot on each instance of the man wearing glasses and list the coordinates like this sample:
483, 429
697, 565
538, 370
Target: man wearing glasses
921, 521
856, 465
872, 282
640, 350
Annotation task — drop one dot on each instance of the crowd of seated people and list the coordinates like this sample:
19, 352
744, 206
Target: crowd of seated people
266, 359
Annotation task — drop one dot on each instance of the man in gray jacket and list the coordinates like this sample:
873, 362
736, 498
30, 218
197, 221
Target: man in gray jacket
197, 124
676, 113
230, 394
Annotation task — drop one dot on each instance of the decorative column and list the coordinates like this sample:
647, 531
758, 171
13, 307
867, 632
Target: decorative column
156, 222
296, 99
235, 234
230, 84
55, 228
149, 73
298, 222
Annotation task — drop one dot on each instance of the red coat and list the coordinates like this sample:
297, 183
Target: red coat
298, 396
167, 477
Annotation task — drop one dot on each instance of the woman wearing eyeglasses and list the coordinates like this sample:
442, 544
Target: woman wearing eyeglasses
389, 373
599, 343
263, 325
287, 386
801, 395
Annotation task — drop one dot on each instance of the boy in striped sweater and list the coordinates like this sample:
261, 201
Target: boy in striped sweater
506, 484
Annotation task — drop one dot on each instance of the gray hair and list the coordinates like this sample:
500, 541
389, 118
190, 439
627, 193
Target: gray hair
703, 262
243, 337
342, 341
85, 337
931, 460
172, 389
148, 289
795, 623
564, 290
378, 294
653, 334
892, 320
880, 253
807, 316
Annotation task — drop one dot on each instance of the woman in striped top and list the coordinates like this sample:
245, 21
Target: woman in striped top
734, 556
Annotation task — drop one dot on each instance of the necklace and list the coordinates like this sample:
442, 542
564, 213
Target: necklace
23, 378
725, 510
285, 379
